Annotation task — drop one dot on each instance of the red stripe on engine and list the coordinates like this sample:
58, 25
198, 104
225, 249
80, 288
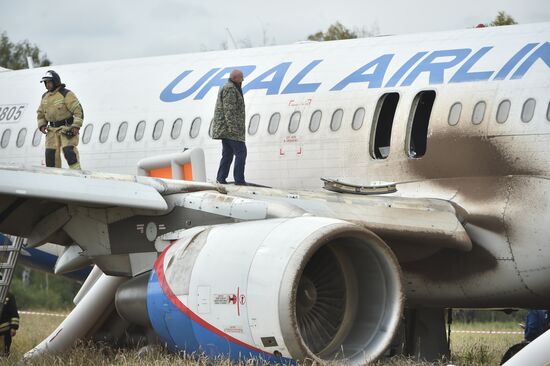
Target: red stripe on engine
159, 267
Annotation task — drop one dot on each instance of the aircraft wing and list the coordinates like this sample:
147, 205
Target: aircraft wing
111, 215
60, 185
37, 203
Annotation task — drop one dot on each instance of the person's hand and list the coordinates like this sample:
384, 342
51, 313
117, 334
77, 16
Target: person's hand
44, 129
75, 130
13, 332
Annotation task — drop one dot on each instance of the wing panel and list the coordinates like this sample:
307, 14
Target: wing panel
80, 188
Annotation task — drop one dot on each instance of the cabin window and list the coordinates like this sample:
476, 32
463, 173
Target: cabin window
254, 124
294, 122
274, 123
419, 119
140, 131
21, 137
157, 130
176, 128
87, 135
37, 137
315, 121
5, 138
479, 113
358, 118
122, 130
195, 127
104, 133
336, 120
528, 110
454, 114
503, 111
382, 125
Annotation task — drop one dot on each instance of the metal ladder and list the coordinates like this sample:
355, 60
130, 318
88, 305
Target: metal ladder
8, 260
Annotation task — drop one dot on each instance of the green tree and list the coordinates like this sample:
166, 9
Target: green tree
502, 19
334, 32
14, 55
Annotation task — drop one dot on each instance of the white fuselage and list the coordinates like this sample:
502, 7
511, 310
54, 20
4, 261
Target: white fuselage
114, 92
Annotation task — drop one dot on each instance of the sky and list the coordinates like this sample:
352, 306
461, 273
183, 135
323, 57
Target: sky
86, 31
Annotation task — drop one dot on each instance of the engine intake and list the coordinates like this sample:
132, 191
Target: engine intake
343, 299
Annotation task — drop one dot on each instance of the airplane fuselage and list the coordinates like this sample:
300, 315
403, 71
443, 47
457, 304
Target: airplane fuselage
460, 116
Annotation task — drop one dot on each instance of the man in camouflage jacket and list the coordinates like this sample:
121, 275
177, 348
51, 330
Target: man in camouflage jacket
60, 117
229, 126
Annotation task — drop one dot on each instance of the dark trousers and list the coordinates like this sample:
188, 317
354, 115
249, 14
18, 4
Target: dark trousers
230, 148
7, 342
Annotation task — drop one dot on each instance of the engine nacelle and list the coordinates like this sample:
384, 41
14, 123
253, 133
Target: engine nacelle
280, 289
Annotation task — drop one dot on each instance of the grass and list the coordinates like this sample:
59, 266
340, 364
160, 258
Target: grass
483, 349
468, 349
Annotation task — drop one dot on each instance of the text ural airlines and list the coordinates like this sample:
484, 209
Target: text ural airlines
374, 72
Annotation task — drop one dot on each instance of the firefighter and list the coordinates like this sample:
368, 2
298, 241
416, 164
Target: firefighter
9, 321
60, 117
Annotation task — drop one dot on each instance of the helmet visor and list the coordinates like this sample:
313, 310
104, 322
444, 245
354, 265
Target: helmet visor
47, 77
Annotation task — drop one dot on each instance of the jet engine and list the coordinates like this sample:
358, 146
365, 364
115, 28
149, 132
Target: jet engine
306, 288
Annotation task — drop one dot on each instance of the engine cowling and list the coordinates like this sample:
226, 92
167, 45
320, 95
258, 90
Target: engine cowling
299, 288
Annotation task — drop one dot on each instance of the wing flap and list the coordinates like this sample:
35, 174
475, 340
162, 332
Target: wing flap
81, 188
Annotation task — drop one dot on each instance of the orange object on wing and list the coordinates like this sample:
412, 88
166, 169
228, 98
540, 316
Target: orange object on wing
187, 170
166, 172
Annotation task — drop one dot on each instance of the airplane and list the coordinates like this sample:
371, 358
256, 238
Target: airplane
392, 178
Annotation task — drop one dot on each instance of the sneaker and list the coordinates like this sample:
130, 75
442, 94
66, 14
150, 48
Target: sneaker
221, 182
241, 183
